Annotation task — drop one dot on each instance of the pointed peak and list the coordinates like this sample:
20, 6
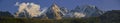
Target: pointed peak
92, 5
54, 4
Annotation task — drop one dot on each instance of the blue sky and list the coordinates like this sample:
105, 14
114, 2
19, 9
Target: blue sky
105, 5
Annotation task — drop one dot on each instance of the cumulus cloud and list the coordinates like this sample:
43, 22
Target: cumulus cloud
31, 8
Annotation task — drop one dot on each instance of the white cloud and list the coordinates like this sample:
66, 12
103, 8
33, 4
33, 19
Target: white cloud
31, 8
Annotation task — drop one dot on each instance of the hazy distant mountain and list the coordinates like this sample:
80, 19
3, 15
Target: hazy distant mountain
110, 17
5, 13
86, 11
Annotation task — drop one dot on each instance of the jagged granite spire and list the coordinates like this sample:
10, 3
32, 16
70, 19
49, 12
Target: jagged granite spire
54, 12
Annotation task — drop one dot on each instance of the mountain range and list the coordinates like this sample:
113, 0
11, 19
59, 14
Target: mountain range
56, 12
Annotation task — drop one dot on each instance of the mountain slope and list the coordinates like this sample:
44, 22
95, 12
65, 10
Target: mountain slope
54, 12
5, 13
110, 17
87, 10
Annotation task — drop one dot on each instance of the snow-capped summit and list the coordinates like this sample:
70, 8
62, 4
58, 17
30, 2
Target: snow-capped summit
87, 10
54, 12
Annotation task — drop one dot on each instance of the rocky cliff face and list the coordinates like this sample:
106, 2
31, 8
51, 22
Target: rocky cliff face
54, 12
